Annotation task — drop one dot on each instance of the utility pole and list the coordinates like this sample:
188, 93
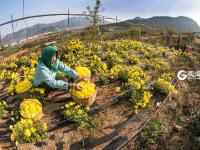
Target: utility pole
23, 8
68, 20
0, 40
13, 32
25, 23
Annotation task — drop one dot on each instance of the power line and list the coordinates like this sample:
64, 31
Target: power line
64, 14
43, 15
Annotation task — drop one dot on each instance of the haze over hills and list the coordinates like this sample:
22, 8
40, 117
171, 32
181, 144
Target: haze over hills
181, 24
74, 22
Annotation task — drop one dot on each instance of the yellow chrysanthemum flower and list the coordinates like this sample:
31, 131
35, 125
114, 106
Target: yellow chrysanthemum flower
83, 72
75, 45
117, 89
80, 111
66, 105
88, 89
162, 86
30, 108
68, 113
39, 90
77, 107
44, 127
27, 133
12, 137
23, 86
33, 130
71, 103
87, 108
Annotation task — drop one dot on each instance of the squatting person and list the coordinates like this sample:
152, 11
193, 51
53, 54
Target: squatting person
47, 68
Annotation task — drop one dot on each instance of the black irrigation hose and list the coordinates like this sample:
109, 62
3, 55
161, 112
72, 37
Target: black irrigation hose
6, 138
87, 144
103, 106
4, 95
109, 103
119, 128
96, 109
93, 111
106, 138
146, 121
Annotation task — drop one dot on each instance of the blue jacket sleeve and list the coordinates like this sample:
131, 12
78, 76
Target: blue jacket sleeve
49, 80
67, 70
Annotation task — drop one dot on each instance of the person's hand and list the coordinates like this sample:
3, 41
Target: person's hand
85, 79
82, 79
78, 87
75, 86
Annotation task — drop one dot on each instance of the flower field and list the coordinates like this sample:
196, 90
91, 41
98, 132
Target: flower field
141, 70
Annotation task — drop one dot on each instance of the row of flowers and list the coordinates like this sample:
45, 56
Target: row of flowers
132, 63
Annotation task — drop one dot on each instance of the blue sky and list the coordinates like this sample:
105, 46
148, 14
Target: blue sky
124, 9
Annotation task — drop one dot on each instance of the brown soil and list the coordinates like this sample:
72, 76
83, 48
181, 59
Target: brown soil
113, 123
110, 121
176, 136
53, 114
16, 55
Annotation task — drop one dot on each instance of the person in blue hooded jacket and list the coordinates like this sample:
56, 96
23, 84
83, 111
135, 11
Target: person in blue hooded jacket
47, 68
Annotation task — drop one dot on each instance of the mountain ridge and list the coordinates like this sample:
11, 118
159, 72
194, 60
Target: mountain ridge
181, 24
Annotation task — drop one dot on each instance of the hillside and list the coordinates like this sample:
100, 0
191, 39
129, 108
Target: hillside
181, 24
74, 22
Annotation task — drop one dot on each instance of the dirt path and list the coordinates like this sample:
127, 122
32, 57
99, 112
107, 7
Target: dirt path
16, 55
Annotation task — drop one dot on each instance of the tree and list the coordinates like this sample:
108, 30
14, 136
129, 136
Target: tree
171, 30
134, 32
92, 32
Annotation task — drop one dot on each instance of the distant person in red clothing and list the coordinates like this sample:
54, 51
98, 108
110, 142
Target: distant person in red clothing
187, 49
